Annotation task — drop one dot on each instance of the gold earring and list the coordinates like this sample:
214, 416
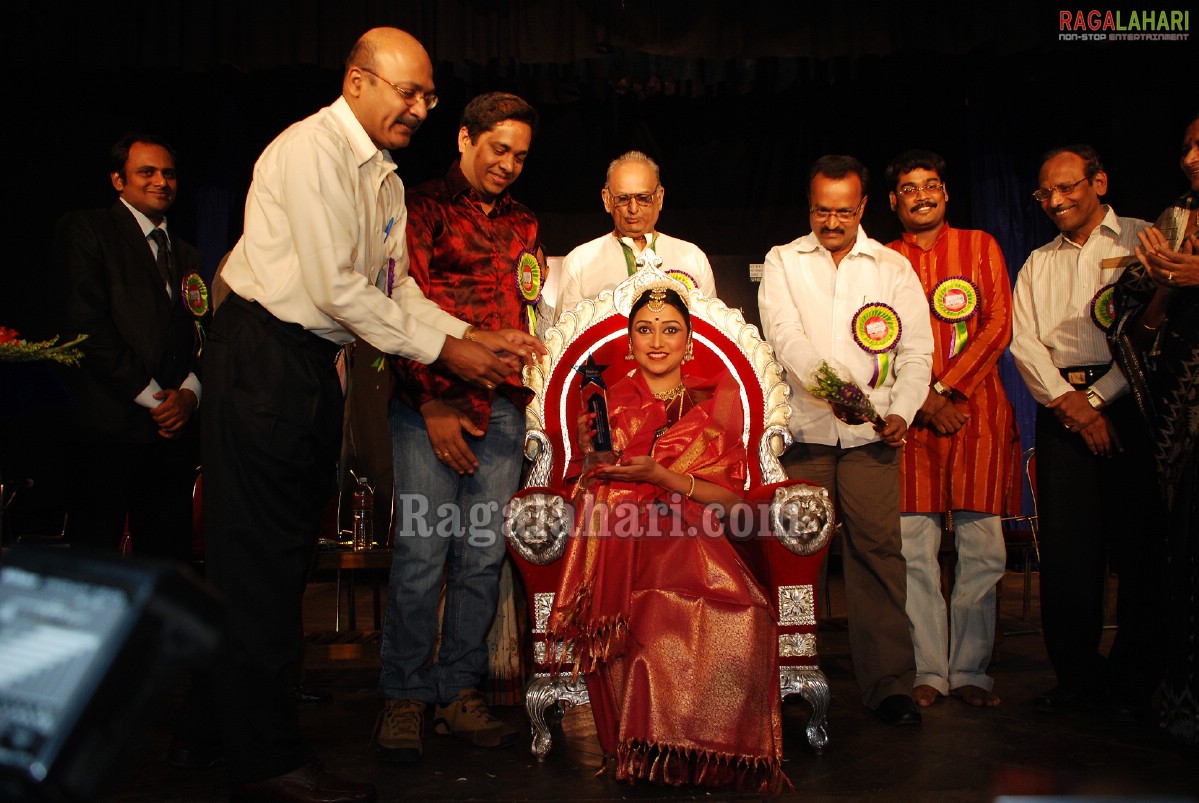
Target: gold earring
630, 356
688, 355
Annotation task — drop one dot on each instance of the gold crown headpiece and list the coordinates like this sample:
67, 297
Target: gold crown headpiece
650, 282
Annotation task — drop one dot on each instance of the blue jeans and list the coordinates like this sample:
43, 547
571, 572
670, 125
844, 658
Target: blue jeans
448, 525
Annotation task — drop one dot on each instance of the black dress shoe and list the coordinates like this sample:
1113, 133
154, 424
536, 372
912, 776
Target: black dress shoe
195, 754
1065, 699
1128, 709
306, 696
311, 783
898, 709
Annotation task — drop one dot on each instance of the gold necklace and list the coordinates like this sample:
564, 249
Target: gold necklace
672, 394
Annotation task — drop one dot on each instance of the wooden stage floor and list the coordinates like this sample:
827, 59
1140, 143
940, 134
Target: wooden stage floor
958, 754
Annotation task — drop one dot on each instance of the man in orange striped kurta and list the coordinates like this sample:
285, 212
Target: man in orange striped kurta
958, 464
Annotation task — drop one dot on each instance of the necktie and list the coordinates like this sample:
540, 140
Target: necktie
164, 258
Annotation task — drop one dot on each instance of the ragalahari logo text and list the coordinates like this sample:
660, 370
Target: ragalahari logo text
1149, 25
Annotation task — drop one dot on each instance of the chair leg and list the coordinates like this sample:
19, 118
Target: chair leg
543, 692
1027, 601
337, 604
812, 685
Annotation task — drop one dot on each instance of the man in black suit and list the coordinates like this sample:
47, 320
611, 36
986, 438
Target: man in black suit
136, 292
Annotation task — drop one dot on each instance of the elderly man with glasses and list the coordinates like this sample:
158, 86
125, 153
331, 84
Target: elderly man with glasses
836, 296
632, 195
1096, 497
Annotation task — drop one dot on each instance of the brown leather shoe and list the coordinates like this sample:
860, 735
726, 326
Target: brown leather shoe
469, 718
311, 783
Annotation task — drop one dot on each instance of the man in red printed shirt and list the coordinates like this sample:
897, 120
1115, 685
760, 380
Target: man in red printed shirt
458, 448
961, 451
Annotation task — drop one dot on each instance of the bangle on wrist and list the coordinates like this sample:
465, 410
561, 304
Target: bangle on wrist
1149, 328
691, 490
471, 334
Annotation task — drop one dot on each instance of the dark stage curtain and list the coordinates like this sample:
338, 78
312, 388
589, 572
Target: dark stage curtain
734, 100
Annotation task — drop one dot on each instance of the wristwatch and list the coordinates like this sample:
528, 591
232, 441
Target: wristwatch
1094, 399
941, 390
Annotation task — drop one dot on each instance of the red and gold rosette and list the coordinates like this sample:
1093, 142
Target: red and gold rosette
530, 281
955, 301
1103, 307
876, 330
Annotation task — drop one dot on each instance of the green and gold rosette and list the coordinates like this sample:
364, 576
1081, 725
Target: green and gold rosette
195, 296
955, 301
1103, 307
530, 281
876, 330
683, 277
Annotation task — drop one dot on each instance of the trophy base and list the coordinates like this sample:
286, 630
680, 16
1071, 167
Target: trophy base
594, 460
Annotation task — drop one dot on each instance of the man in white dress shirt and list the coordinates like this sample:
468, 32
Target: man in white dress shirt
836, 295
1094, 475
632, 195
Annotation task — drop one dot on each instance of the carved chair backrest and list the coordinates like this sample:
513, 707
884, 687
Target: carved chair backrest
723, 341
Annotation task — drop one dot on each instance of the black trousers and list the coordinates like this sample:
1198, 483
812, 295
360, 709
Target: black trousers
150, 483
1097, 512
271, 435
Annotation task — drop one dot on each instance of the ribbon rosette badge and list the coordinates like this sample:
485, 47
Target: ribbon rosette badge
195, 294
955, 301
529, 281
528, 277
683, 277
1103, 307
876, 330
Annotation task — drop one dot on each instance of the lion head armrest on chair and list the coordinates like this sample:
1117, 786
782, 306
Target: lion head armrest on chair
782, 533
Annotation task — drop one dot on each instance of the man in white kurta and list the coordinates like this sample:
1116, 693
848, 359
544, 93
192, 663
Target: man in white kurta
835, 295
633, 196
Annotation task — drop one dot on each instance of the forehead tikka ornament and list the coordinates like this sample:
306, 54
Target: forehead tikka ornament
657, 299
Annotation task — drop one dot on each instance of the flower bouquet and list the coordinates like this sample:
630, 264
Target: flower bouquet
850, 404
14, 349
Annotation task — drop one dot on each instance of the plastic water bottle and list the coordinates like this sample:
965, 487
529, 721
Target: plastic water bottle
364, 515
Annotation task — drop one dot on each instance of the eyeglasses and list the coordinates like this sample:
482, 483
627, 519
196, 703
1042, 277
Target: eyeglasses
930, 187
843, 215
1043, 194
409, 96
642, 198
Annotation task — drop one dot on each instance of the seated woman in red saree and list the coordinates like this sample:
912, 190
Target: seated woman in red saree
675, 638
